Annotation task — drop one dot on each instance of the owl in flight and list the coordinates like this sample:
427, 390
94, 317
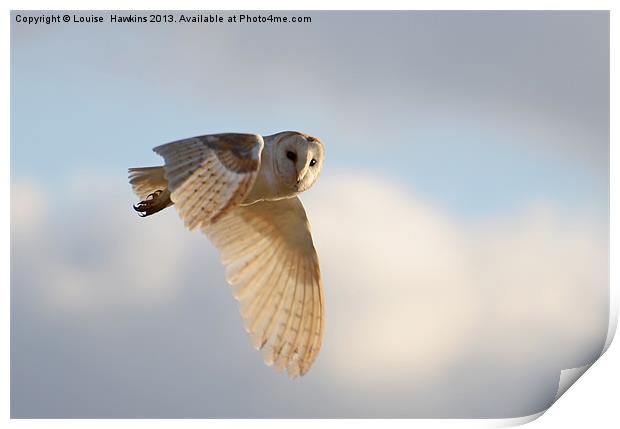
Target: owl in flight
241, 191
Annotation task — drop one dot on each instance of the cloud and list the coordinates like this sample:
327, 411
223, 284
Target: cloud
412, 292
425, 313
400, 299
91, 252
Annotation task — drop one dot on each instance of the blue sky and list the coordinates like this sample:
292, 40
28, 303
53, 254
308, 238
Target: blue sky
475, 122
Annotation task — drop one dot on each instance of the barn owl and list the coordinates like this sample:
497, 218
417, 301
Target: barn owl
241, 191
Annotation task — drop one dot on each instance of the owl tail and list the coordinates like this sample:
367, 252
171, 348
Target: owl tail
151, 186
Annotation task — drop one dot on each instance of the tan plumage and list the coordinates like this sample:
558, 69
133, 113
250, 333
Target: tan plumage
208, 174
271, 262
242, 191
144, 180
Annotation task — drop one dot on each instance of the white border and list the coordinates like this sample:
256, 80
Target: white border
591, 394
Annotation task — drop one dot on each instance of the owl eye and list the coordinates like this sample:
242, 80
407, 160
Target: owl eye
291, 155
312, 162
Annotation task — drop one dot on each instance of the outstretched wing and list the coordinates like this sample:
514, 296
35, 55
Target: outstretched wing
271, 262
208, 175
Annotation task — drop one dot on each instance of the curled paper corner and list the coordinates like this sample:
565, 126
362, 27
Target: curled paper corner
570, 375
568, 378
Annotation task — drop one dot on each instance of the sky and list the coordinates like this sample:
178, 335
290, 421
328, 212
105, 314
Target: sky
461, 218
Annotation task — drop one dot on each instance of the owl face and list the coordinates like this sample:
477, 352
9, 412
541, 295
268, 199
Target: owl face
298, 160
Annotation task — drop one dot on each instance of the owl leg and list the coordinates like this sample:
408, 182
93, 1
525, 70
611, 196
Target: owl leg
153, 203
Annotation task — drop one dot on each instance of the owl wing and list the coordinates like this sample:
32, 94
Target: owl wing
271, 262
208, 175
145, 180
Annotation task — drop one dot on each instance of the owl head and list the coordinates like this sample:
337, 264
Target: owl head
298, 159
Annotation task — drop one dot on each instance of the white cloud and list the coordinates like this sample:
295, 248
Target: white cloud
412, 292
400, 301
546, 282
89, 251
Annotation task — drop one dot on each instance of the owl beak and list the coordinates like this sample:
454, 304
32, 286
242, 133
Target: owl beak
301, 175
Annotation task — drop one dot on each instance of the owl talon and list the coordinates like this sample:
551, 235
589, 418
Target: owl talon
140, 209
151, 204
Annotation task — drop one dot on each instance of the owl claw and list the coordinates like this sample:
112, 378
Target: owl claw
151, 204
139, 208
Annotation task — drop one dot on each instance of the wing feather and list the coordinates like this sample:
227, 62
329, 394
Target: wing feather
266, 314
255, 305
273, 267
145, 180
209, 175
253, 262
295, 332
308, 320
248, 286
285, 322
